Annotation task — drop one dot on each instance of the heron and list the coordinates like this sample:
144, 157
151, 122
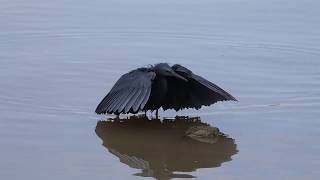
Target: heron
160, 86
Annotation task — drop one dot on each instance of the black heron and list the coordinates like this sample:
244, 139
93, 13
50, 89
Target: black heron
150, 88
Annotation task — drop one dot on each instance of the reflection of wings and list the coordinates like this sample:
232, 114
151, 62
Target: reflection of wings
160, 148
193, 94
131, 161
129, 94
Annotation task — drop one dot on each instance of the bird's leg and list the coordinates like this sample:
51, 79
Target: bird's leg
117, 117
145, 113
157, 113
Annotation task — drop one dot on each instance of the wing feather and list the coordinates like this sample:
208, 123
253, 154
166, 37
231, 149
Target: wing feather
193, 94
132, 101
107, 101
123, 99
145, 98
139, 99
126, 91
115, 101
213, 87
126, 101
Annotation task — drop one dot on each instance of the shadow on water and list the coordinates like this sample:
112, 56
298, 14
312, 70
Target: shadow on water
160, 148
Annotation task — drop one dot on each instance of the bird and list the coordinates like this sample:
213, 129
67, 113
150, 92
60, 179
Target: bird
160, 86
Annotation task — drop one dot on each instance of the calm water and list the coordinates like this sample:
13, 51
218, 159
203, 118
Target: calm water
59, 58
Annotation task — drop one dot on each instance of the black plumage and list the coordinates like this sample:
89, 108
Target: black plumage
159, 86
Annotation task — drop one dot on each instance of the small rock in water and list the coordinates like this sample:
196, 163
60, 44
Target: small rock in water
205, 134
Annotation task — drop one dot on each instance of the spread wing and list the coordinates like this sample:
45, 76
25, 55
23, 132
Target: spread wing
193, 94
129, 94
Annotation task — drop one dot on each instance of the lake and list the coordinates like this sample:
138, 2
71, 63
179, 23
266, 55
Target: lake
60, 58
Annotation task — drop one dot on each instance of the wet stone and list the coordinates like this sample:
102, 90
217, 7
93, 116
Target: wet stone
205, 134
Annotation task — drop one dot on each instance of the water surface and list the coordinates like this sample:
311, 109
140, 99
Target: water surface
59, 58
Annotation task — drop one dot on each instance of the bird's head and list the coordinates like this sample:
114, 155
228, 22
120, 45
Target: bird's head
163, 69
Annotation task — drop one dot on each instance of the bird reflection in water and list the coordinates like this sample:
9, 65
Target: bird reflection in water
166, 149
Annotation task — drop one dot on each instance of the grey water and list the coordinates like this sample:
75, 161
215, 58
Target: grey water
59, 58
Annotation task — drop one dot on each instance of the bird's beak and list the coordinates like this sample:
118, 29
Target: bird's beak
174, 74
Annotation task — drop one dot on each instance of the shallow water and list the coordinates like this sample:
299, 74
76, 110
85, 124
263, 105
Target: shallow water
59, 58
